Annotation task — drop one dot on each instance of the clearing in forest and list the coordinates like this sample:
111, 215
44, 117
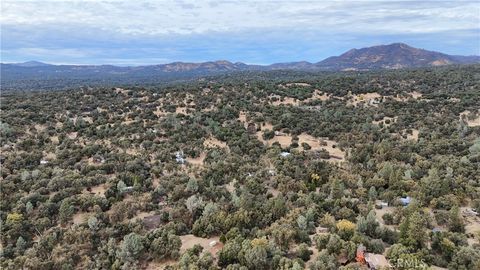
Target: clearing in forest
283, 100
212, 244
182, 110
198, 161
386, 121
212, 142
98, 190
318, 95
369, 99
80, 217
470, 118
410, 136
405, 97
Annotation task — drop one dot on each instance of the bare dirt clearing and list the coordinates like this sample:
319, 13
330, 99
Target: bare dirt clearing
297, 84
470, 118
413, 136
407, 96
198, 161
54, 139
72, 135
368, 99
121, 91
98, 190
80, 218
182, 110
242, 117
153, 265
277, 100
190, 240
318, 95
386, 121
318, 144
212, 142
380, 212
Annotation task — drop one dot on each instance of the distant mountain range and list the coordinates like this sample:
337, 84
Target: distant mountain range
392, 56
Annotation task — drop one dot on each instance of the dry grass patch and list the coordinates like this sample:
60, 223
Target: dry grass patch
198, 161
182, 110
155, 182
121, 91
413, 136
298, 84
101, 110
472, 222
214, 142
318, 95
72, 135
230, 187
284, 140
380, 212
49, 156
368, 99
403, 98
40, 128
132, 151
80, 218
336, 154
128, 121
275, 192
416, 95
472, 119
98, 190
190, 240
153, 265
284, 101
141, 215
88, 119
242, 117
54, 139
384, 121
159, 112
318, 144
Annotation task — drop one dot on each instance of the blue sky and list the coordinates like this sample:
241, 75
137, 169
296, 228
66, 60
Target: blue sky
258, 32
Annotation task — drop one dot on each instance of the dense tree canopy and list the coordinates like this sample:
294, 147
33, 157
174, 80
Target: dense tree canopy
279, 170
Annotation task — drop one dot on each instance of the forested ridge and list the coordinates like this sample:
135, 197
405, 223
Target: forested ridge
252, 170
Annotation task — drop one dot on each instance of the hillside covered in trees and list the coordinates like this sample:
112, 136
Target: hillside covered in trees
256, 170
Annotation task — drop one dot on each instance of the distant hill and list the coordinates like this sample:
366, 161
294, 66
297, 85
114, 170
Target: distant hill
36, 75
31, 64
393, 56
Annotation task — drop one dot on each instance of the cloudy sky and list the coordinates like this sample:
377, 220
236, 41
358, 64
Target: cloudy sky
138, 32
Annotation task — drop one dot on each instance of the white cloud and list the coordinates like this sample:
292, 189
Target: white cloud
153, 18
141, 32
